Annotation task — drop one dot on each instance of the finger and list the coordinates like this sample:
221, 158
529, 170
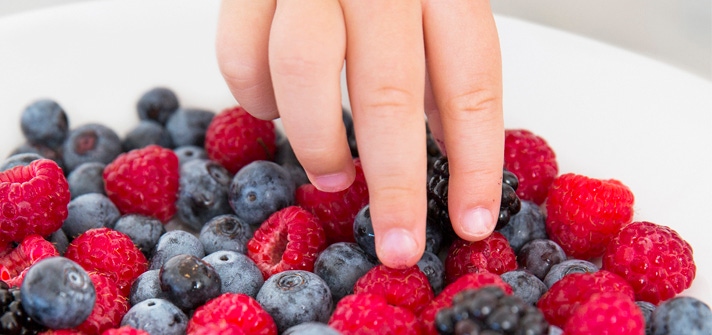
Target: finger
462, 49
306, 57
433, 115
385, 72
241, 47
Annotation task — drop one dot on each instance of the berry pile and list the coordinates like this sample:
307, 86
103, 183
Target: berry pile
197, 222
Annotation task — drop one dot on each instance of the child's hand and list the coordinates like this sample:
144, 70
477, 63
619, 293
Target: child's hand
284, 59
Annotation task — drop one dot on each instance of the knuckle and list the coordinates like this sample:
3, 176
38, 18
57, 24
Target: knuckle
388, 100
241, 75
473, 101
300, 68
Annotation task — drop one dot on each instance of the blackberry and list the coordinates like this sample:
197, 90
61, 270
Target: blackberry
432, 149
13, 318
488, 310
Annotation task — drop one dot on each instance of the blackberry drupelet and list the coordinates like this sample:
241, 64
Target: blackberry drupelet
13, 318
488, 310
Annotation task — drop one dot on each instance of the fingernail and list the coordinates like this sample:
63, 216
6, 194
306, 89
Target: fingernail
478, 222
332, 182
397, 247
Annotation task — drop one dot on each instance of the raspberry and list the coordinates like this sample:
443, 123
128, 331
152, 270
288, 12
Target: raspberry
236, 309
583, 214
567, 294
110, 306
609, 313
125, 330
14, 263
33, 200
219, 329
444, 299
654, 259
235, 138
290, 239
365, 314
493, 254
336, 210
61, 332
408, 288
144, 181
532, 160
111, 253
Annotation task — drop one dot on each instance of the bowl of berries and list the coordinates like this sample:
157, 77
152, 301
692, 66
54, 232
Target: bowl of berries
138, 197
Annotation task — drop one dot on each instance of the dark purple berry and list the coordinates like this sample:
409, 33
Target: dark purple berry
44, 122
203, 192
157, 104
188, 281
538, 256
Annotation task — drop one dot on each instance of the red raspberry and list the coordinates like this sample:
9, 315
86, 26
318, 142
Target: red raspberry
366, 314
290, 239
61, 332
111, 253
408, 288
219, 329
144, 181
33, 200
609, 313
110, 306
236, 309
562, 299
125, 330
444, 299
14, 263
336, 210
654, 259
583, 214
533, 161
493, 254
235, 138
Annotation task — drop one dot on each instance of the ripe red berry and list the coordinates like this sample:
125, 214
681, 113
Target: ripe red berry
493, 254
654, 259
290, 239
111, 253
15, 262
609, 313
336, 210
110, 307
408, 288
235, 138
33, 200
144, 181
365, 314
583, 214
125, 330
235, 309
533, 161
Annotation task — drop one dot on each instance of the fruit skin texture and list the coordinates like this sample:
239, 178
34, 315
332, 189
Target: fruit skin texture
125, 330
235, 309
156, 316
110, 307
15, 262
290, 239
567, 294
188, 281
609, 313
111, 253
533, 161
493, 254
33, 200
583, 214
682, 315
654, 259
365, 314
408, 288
144, 181
235, 138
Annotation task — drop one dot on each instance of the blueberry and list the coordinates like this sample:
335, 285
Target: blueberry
525, 285
145, 133
45, 122
187, 153
58, 293
340, 265
157, 104
538, 256
22, 159
259, 189
434, 269
59, 240
647, 309
156, 316
176, 242
225, 232
554, 330
363, 232
39, 149
90, 143
566, 267
682, 315
87, 178
188, 126
433, 237
91, 210
311, 328
295, 296
188, 281
297, 174
284, 155
528, 224
238, 273
144, 231
146, 286
203, 192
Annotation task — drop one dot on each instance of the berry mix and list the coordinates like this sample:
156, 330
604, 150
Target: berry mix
204, 223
